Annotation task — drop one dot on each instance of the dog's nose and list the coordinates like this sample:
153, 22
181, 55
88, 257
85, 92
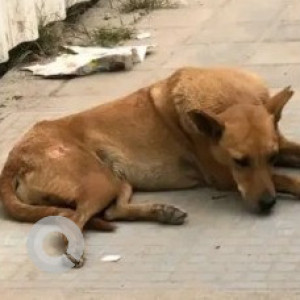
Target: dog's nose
266, 202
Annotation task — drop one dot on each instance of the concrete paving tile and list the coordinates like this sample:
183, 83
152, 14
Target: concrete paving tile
177, 18
226, 31
254, 11
105, 85
276, 53
214, 54
278, 75
284, 31
12, 84
291, 12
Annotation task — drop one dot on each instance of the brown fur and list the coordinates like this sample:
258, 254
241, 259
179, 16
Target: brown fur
191, 129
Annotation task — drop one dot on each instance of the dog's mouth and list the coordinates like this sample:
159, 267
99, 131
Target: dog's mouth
263, 209
267, 203
264, 206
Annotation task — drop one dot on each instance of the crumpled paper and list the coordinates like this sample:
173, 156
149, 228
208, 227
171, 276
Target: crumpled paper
88, 60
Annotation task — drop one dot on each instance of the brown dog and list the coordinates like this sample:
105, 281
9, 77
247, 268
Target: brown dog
199, 127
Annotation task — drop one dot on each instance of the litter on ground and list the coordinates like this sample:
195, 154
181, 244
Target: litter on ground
87, 60
143, 35
111, 258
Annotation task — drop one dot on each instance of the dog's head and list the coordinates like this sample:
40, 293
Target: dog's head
245, 139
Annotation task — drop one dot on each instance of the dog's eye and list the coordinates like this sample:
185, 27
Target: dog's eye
242, 162
272, 158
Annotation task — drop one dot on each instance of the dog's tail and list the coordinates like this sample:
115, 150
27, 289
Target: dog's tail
32, 213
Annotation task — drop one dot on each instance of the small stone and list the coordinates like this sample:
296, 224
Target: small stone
17, 97
218, 247
107, 16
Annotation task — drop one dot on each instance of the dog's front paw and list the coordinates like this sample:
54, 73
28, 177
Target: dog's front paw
169, 214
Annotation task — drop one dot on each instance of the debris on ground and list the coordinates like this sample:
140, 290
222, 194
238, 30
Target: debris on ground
217, 197
17, 97
143, 35
88, 60
111, 258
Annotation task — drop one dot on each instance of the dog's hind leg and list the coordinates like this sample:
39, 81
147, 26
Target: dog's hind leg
96, 191
97, 223
289, 153
124, 210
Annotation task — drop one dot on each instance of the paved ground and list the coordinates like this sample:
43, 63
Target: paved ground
222, 252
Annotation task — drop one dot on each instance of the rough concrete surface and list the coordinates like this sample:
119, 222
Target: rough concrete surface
222, 252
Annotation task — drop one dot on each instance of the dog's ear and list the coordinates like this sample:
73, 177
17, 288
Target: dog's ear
277, 102
207, 123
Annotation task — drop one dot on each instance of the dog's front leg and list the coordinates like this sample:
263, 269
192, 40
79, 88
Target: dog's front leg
287, 183
126, 211
289, 153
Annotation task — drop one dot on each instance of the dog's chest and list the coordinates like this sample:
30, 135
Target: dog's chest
154, 170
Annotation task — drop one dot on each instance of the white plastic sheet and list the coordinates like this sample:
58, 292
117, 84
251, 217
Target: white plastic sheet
87, 60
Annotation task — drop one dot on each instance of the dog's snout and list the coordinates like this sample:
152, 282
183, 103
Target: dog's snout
266, 202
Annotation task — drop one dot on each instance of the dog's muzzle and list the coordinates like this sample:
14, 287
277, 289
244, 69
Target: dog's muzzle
266, 203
